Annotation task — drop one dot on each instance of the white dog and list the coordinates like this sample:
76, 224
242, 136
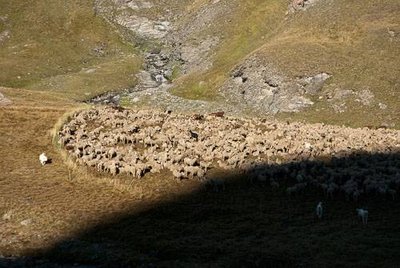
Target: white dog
43, 159
319, 210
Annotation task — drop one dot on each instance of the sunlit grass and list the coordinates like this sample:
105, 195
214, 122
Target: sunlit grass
55, 40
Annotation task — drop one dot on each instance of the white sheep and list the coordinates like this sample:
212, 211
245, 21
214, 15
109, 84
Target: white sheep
217, 185
319, 210
363, 213
43, 159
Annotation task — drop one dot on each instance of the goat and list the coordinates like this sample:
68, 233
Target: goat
363, 213
43, 159
319, 210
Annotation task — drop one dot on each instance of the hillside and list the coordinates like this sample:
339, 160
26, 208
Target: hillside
335, 61
267, 58
63, 47
229, 121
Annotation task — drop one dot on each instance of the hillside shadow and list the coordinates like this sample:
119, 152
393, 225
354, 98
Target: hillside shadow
250, 224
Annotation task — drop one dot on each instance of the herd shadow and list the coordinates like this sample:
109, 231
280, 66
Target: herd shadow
248, 224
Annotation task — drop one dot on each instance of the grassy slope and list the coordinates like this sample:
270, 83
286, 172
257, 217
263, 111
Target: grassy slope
246, 29
348, 39
51, 41
351, 41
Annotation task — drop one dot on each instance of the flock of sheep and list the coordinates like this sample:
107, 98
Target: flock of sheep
293, 157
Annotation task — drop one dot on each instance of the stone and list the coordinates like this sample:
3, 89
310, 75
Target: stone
26, 222
382, 106
4, 101
316, 83
7, 216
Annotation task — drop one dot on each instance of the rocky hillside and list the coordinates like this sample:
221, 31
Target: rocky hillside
329, 61
318, 62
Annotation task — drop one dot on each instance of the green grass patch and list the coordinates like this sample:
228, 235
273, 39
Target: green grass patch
57, 38
113, 75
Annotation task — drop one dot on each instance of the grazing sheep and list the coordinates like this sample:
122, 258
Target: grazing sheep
111, 153
164, 140
43, 159
217, 185
332, 187
363, 214
356, 195
189, 161
319, 210
178, 174
291, 190
392, 193
299, 178
274, 184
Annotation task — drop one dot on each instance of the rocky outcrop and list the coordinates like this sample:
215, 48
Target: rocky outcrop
300, 5
124, 14
4, 101
171, 48
338, 99
259, 85
4, 35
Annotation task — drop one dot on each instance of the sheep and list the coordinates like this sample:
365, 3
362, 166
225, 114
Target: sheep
291, 190
178, 174
142, 169
300, 178
356, 194
392, 193
274, 184
217, 185
131, 170
190, 162
112, 167
43, 159
363, 214
319, 210
332, 187
111, 153
192, 171
162, 140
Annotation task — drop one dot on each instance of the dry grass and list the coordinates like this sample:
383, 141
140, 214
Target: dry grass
158, 215
61, 198
158, 220
43, 194
51, 44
